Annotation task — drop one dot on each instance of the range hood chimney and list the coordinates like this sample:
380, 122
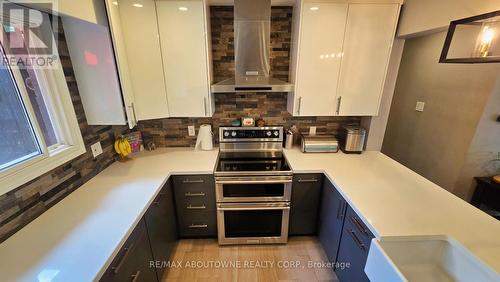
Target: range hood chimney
252, 36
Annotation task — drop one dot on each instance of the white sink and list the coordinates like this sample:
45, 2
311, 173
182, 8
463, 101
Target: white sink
424, 258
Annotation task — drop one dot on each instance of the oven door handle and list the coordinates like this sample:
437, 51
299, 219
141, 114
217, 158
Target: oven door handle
253, 181
252, 207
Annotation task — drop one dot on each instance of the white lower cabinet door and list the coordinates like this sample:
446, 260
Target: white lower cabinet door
182, 26
319, 57
368, 41
143, 54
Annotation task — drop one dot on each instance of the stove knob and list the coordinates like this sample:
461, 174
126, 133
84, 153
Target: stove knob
268, 133
276, 133
233, 133
226, 133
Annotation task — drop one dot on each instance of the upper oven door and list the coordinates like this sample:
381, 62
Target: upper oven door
253, 189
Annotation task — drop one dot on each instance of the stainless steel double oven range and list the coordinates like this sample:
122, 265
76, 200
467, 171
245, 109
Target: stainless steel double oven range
253, 184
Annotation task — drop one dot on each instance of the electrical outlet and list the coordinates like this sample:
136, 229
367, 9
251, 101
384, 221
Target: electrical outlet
420, 106
312, 130
96, 149
191, 131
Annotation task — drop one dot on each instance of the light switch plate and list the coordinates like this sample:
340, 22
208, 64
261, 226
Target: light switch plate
420, 106
96, 149
312, 130
191, 131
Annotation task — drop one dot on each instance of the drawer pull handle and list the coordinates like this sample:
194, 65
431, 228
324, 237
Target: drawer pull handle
339, 208
198, 226
343, 207
193, 181
116, 268
358, 225
190, 207
189, 194
356, 239
135, 277
311, 180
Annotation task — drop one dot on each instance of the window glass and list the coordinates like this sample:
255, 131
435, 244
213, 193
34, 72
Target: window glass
17, 138
16, 38
39, 129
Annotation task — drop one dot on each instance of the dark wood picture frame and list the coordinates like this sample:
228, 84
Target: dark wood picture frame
449, 37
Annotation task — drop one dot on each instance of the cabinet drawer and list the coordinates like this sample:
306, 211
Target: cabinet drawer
195, 183
306, 191
195, 223
354, 223
195, 205
132, 261
195, 190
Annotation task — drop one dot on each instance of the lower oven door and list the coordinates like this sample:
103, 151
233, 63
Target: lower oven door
253, 189
252, 223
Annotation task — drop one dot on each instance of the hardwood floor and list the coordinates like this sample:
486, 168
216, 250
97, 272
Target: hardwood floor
204, 260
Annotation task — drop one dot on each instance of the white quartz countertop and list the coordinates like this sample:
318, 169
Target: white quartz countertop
395, 201
77, 238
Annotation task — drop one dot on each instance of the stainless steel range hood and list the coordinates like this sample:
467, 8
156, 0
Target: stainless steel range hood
252, 36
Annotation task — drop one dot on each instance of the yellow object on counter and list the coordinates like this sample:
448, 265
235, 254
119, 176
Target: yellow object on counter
496, 179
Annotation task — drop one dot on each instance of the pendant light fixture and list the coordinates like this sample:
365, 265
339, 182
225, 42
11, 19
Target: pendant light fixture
473, 40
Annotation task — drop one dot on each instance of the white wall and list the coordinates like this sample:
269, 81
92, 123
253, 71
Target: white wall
424, 16
435, 143
482, 158
376, 125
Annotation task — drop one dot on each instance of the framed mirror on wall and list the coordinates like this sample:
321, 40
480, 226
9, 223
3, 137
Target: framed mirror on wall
473, 40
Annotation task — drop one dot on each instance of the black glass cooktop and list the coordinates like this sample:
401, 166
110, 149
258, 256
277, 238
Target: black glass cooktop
238, 162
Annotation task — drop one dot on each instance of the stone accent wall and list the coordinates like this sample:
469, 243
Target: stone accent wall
22, 205
172, 132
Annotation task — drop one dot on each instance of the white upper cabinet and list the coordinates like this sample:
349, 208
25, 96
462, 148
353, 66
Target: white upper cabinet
121, 60
340, 55
320, 39
94, 65
144, 58
183, 35
139, 59
368, 41
162, 54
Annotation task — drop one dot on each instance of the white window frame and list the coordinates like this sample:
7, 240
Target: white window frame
62, 113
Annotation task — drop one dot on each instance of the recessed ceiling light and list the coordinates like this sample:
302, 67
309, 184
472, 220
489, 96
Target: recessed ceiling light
115, 3
183, 9
137, 5
315, 8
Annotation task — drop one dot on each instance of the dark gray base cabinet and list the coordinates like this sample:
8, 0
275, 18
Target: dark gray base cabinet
344, 237
195, 205
354, 248
331, 219
153, 239
132, 261
162, 227
306, 192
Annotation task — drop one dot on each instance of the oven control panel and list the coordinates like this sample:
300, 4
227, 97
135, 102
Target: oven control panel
246, 134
